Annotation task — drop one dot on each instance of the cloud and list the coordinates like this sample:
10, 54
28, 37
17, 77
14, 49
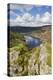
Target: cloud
27, 17
46, 18
21, 7
28, 20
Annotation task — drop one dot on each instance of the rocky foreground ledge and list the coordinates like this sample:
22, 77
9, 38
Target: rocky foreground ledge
35, 61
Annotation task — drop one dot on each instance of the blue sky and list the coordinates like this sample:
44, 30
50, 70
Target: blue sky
22, 14
40, 10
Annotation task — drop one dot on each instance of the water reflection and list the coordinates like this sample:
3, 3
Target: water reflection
32, 42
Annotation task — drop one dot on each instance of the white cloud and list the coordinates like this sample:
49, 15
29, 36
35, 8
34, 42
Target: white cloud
46, 18
21, 7
28, 20
27, 17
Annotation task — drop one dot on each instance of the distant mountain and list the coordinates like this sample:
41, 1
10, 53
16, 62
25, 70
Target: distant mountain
27, 29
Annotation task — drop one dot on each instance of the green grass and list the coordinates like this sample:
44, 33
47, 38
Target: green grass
49, 53
17, 43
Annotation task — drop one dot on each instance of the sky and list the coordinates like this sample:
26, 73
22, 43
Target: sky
29, 15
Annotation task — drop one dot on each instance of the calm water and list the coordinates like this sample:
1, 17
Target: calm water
32, 42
